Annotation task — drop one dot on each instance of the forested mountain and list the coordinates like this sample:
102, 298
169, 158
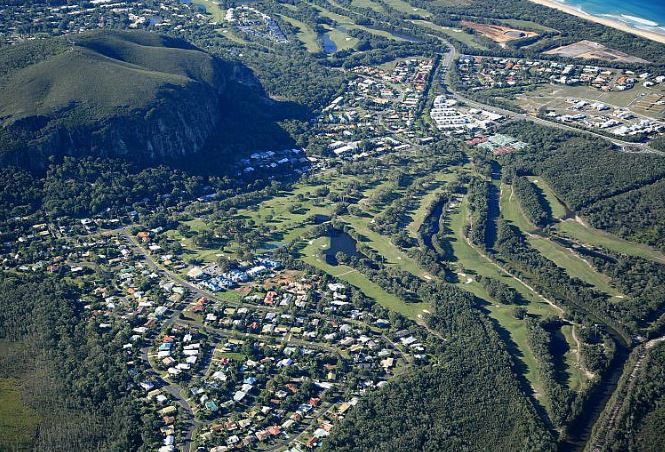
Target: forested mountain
137, 95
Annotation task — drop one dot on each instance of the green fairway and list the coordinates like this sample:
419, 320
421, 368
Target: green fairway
367, 4
312, 256
305, 34
577, 379
212, 7
419, 213
586, 234
474, 263
558, 209
382, 244
197, 224
344, 23
520, 24
342, 40
287, 217
374, 31
18, 423
574, 265
228, 34
510, 210
565, 258
471, 263
191, 251
332, 15
404, 7
454, 33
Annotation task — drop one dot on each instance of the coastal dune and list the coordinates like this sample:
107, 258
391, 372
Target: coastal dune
609, 22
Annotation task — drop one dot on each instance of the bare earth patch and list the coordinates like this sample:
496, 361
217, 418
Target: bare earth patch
590, 50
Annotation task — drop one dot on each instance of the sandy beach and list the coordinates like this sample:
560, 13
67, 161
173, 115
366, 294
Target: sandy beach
602, 20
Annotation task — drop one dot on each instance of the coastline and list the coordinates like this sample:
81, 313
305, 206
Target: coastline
602, 20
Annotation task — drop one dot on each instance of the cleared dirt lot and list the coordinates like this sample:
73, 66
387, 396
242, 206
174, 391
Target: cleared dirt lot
499, 33
589, 50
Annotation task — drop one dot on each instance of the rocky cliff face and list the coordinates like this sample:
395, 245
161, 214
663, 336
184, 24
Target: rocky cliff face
109, 107
167, 131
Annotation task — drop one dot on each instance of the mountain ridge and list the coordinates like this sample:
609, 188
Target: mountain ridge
109, 94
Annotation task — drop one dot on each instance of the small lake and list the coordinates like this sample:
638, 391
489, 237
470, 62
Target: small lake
340, 241
328, 45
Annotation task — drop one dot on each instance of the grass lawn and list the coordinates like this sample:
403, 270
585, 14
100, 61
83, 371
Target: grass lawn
231, 355
470, 262
342, 40
312, 254
391, 253
454, 33
18, 423
305, 34
558, 209
595, 237
213, 8
405, 7
230, 295
574, 265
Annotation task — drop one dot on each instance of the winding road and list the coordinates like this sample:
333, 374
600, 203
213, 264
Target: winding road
175, 392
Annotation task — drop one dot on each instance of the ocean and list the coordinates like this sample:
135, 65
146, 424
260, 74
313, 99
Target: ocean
641, 14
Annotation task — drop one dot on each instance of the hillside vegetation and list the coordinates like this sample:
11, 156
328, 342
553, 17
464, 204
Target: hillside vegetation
108, 93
